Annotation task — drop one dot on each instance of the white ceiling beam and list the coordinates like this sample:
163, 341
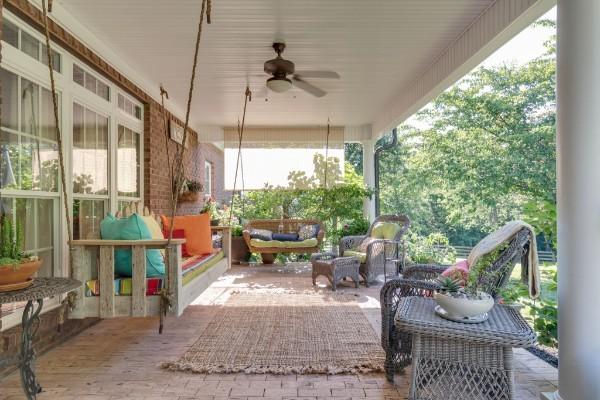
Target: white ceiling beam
493, 28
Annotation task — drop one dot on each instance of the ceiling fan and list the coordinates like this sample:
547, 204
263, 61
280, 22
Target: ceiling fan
281, 68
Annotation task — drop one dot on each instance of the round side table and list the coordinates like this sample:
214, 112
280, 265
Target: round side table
34, 295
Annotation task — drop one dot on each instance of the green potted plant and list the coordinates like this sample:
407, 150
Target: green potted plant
240, 253
16, 268
211, 207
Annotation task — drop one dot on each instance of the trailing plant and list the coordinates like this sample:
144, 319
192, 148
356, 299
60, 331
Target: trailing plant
194, 186
12, 242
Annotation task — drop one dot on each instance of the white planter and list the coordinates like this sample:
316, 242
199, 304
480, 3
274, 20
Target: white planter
461, 307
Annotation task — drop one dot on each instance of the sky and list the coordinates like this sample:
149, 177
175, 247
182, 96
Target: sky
524, 47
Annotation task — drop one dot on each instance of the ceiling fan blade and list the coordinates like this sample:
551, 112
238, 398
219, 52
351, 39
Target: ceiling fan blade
317, 74
307, 87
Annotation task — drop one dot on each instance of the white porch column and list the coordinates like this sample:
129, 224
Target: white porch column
578, 150
369, 176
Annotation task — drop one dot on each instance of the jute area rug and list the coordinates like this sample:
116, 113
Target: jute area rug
286, 333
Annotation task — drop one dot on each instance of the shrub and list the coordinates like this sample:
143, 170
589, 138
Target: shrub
432, 249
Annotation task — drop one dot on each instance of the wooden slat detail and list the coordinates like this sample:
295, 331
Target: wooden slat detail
106, 275
81, 268
173, 255
138, 282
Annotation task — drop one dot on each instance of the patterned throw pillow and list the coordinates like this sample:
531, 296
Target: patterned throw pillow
308, 231
262, 234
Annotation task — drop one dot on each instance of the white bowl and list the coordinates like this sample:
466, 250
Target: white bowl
464, 307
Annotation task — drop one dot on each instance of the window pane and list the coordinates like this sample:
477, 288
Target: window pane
45, 211
90, 151
138, 112
48, 127
56, 59
90, 83
10, 33
9, 160
39, 165
10, 96
30, 45
121, 102
26, 222
128, 160
78, 75
87, 215
47, 269
30, 94
103, 90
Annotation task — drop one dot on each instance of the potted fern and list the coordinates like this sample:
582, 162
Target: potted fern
16, 269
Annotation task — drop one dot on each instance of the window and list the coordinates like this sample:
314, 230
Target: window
28, 138
129, 107
208, 178
90, 171
128, 161
90, 82
29, 45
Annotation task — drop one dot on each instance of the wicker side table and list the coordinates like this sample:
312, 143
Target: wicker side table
34, 295
334, 268
456, 361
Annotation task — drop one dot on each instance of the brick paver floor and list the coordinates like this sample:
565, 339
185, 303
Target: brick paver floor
120, 358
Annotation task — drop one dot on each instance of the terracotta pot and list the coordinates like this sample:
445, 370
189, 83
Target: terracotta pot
240, 253
19, 273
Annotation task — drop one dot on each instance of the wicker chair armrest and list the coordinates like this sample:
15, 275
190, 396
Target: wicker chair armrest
246, 235
423, 271
322, 256
350, 242
376, 251
391, 294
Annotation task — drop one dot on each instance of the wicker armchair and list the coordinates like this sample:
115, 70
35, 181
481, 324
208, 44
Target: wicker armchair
374, 263
419, 280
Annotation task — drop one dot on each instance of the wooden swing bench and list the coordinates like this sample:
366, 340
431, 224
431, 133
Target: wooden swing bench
185, 280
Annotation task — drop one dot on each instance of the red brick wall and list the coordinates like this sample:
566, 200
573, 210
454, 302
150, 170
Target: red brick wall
157, 184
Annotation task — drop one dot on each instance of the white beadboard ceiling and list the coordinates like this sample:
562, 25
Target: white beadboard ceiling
378, 47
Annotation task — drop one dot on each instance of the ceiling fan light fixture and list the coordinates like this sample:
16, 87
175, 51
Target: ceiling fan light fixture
279, 85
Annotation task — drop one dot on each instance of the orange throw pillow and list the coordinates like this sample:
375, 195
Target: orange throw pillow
198, 236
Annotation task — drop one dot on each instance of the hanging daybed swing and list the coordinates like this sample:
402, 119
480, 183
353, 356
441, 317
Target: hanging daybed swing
94, 259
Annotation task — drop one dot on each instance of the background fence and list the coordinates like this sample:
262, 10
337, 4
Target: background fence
463, 252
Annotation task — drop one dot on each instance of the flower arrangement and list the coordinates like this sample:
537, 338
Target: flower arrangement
191, 191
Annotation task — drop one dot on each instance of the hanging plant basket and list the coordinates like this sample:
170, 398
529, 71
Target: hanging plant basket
18, 276
189, 197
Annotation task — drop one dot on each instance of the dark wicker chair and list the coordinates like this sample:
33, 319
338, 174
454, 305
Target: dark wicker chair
377, 249
419, 280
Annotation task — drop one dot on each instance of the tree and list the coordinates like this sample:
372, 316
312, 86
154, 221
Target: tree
488, 149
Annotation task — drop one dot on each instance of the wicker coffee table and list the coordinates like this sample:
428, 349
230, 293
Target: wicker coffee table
456, 361
334, 268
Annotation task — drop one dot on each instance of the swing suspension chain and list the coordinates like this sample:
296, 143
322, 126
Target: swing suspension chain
61, 159
163, 94
247, 98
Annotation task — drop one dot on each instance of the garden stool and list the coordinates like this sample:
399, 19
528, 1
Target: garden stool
335, 269
455, 360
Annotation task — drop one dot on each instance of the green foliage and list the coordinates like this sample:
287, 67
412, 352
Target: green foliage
449, 285
11, 241
541, 313
482, 150
431, 249
481, 270
542, 216
194, 186
358, 226
336, 205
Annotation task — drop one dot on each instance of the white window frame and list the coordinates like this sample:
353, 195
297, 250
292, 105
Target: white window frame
20, 63
208, 173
